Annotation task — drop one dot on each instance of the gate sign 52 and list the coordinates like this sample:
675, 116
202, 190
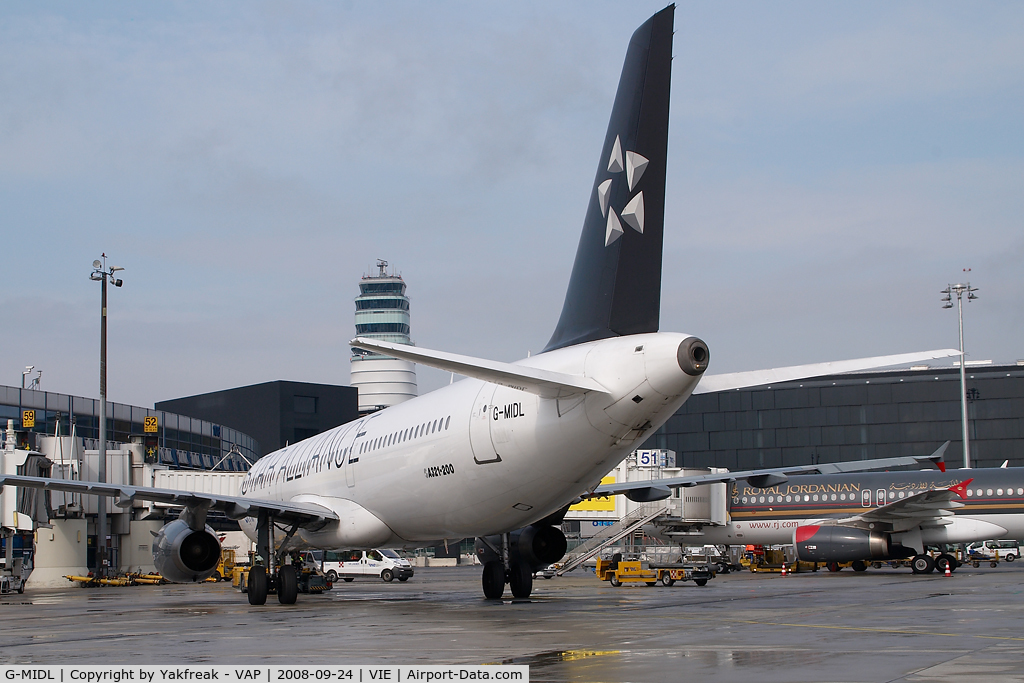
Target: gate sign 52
149, 424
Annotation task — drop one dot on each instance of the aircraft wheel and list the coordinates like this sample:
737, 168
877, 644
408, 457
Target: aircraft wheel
494, 580
701, 582
922, 564
21, 587
943, 560
858, 566
287, 585
257, 585
833, 566
332, 576
387, 575
520, 580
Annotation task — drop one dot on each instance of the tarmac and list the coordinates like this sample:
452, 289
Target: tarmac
879, 625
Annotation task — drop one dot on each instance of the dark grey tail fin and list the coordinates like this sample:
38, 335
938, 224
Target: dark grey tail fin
615, 287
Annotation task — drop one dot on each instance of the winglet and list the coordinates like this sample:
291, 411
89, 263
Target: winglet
961, 488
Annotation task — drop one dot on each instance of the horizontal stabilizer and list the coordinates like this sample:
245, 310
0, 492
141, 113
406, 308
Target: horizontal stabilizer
533, 380
649, 488
757, 378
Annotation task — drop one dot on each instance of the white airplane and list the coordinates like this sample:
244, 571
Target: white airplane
500, 455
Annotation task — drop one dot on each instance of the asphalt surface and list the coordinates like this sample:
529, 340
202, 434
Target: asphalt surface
880, 625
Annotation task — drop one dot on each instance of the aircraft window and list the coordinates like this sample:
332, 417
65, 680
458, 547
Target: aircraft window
771, 499
450, 419
433, 427
807, 499
833, 496
744, 499
970, 492
815, 497
789, 499
1020, 492
902, 494
980, 492
988, 493
761, 499
999, 492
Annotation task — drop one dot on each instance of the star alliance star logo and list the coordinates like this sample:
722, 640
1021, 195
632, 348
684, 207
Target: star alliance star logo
633, 212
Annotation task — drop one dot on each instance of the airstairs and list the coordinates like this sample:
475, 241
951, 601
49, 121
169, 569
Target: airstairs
609, 535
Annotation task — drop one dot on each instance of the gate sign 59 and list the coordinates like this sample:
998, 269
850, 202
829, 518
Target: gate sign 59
28, 419
150, 424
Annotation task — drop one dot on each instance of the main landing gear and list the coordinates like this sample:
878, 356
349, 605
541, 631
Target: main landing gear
519, 577
502, 567
282, 577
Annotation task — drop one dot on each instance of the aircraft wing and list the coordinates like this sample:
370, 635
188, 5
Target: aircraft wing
756, 378
533, 380
927, 508
235, 507
659, 489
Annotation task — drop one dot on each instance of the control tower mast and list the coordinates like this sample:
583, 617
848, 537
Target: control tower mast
382, 312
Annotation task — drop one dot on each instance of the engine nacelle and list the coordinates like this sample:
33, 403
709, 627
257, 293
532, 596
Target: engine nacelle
840, 544
536, 545
183, 555
539, 546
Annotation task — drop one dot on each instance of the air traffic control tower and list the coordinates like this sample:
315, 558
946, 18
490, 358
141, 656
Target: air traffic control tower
382, 312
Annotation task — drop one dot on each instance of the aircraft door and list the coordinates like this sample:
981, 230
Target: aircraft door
880, 497
865, 498
480, 427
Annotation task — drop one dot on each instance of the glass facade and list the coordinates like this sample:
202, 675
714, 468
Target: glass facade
852, 417
179, 441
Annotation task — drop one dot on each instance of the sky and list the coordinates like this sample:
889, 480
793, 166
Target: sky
832, 167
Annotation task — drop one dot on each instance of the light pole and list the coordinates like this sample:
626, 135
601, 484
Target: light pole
101, 272
960, 289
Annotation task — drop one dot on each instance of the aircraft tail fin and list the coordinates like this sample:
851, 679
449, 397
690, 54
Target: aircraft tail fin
615, 286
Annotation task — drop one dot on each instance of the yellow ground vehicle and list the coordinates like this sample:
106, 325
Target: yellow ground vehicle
226, 567
617, 572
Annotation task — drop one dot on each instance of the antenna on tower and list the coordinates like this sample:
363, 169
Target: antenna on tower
382, 266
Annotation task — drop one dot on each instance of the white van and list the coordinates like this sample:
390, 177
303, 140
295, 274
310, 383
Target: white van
382, 562
1005, 550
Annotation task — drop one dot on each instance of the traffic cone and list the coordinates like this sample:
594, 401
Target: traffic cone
949, 572
784, 569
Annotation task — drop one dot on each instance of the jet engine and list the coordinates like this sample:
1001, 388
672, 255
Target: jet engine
841, 544
184, 555
537, 546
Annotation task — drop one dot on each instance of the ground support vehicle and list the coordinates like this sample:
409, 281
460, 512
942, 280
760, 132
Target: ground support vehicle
760, 559
382, 562
618, 572
992, 552
307, 579
226, 567
14, 580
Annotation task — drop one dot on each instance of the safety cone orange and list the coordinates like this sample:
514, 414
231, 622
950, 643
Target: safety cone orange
949, 572
784, 569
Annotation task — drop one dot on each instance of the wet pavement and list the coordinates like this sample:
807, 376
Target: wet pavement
880, 625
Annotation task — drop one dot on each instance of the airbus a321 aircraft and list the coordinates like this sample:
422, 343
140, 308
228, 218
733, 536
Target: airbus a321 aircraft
502, 454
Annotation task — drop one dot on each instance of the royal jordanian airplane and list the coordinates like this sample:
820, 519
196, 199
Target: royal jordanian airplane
875, 516
502, 454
